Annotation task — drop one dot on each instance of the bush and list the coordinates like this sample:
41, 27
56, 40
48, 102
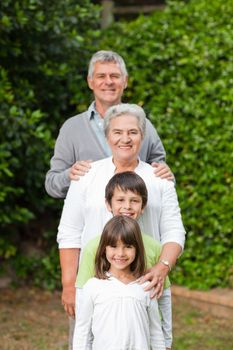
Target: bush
181, 67
45, 46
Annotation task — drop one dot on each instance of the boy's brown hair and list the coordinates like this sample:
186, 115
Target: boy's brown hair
127, 181
128, 231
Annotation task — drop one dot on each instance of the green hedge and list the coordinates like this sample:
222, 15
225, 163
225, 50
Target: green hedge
180, 65
45, 47
181, 70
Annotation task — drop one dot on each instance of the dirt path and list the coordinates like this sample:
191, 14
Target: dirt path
34, 320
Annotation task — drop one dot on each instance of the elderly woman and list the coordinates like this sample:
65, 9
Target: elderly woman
85, 214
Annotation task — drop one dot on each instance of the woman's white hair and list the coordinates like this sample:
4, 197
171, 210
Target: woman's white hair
122, 109
106, 56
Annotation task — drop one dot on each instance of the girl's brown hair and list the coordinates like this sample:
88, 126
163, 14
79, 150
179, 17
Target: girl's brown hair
128, 231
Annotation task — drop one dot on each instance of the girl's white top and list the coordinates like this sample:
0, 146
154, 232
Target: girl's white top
119, 316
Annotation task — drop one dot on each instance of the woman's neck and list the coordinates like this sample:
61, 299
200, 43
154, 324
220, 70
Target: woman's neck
125, 165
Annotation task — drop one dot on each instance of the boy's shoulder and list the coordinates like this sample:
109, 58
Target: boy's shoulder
92, 244
150, 241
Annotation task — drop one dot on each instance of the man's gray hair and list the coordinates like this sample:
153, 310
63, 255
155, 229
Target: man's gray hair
107, 56
122, 109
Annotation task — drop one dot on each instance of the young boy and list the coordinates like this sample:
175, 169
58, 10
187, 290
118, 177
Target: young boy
126, 194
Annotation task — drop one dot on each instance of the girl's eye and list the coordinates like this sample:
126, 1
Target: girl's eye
129, 246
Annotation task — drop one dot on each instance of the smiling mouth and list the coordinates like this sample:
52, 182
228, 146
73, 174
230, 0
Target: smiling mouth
120, 261
127, 214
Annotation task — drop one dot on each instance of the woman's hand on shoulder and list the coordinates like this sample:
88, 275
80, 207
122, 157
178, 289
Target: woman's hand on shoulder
156, 276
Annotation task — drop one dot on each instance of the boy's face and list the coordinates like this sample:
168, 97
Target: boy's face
125, 203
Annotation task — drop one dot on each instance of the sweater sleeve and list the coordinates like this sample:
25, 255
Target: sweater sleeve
152, 149
57, 178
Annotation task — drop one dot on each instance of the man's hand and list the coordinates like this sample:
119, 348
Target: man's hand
156, 275
80, 168
162, 170
68, 300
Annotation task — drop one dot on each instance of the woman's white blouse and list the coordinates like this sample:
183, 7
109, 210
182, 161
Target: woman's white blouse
85, 214
120, 317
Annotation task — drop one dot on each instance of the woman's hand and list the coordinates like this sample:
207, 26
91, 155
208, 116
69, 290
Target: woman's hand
80, 168
68, 300
156, 276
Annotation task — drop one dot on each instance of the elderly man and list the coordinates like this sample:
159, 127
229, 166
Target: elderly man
81, 138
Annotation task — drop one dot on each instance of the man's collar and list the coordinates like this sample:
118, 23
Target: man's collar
91, 110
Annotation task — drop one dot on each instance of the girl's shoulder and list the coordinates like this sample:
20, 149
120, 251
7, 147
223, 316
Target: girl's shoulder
92, 282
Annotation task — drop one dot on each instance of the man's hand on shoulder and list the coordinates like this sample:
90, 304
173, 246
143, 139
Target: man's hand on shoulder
163, 171
80, 168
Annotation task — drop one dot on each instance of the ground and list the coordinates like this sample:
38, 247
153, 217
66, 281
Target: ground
31, 319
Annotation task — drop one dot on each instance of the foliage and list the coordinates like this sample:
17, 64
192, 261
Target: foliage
181, 67
45, 47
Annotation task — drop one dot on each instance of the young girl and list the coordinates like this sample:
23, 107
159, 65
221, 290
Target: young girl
116, 313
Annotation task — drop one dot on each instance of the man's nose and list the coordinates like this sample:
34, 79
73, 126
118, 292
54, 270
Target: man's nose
108, 79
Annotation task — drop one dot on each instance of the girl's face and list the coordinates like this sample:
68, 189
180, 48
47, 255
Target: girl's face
120, 257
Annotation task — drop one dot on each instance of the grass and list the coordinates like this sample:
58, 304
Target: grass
31, 319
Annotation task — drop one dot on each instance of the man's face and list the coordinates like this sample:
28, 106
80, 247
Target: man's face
107, 83
125, 203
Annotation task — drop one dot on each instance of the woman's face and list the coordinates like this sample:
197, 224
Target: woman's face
124, 137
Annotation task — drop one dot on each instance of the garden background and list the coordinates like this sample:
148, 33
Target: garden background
180, 66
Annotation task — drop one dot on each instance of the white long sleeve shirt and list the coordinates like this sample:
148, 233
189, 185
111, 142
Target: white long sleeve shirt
120, 317
85, 214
